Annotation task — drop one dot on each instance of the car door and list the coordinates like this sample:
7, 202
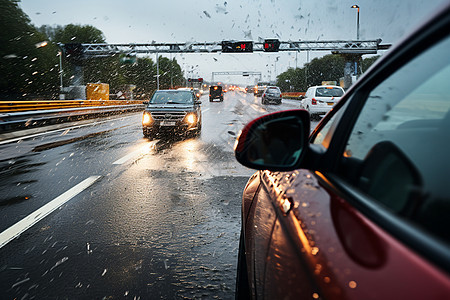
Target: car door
374, 225
386, 190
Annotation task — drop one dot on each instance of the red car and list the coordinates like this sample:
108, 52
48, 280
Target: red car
359, 209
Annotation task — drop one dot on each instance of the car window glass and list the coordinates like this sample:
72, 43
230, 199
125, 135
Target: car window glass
401, 141
329, 92
323, 136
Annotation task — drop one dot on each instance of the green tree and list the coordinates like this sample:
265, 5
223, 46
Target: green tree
28, 66
367, 62
84, 34
327, 68
73, 33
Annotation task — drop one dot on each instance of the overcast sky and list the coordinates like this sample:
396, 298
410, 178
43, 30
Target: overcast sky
144, 21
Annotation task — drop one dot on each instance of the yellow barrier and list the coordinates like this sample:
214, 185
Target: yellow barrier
97, 91
16, 106
293, 94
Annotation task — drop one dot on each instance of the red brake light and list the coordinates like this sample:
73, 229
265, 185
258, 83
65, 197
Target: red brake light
313, 101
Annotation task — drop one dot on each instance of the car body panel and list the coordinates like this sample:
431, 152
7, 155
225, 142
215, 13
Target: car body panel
325, 236
331, 235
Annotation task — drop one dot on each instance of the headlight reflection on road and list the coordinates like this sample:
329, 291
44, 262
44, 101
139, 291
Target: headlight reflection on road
189, 154
145, 149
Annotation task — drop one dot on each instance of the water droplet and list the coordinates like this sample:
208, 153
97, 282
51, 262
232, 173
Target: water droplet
352, 284
315, 296
314, 250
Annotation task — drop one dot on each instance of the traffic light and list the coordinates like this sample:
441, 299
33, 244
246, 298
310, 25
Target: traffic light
272, 45
237, 47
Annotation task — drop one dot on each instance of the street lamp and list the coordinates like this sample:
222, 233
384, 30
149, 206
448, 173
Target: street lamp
357, 21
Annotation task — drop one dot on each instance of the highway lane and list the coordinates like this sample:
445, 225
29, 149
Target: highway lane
127, 216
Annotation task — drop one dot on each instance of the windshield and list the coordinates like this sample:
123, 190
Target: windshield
102, 198
178, 97
329, 92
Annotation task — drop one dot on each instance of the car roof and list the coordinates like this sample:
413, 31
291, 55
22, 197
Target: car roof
333, 86
174, 91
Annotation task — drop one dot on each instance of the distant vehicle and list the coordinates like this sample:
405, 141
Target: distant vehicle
250, 89
197, 93
259, 90
172, 111
359, 209
215, 92
272, 94
319, 100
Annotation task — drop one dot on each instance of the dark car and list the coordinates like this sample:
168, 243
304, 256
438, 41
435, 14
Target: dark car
250, 89
172, 111
359, 209
215, 92
272, 94
259, 90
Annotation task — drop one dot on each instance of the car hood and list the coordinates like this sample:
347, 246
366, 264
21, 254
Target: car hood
169, 106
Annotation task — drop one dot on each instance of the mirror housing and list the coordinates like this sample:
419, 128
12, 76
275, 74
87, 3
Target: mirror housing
277, 141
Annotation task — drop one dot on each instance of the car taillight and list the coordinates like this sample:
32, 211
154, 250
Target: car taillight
313, 101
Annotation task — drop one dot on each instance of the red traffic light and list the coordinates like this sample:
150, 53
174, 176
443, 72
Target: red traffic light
271, 45
236, 47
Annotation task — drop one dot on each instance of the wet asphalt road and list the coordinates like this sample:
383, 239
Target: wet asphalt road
156, 219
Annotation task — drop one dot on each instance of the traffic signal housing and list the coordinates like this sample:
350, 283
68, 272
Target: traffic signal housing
271, 45
237, 47
195, 79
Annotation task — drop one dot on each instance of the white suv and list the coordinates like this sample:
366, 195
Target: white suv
319, 100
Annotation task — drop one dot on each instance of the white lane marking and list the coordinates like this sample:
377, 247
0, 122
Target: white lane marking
27, 222
53, 131
143, 150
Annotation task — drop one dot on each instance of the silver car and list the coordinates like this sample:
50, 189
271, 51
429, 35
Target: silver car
272, 94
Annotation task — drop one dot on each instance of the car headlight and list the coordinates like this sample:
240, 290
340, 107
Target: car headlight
147, 119
191, 119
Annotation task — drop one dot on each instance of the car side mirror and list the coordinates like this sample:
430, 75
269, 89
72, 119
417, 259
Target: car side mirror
198, 102
276, 141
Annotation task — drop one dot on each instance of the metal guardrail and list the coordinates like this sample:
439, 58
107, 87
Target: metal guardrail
17, 115
14, 106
